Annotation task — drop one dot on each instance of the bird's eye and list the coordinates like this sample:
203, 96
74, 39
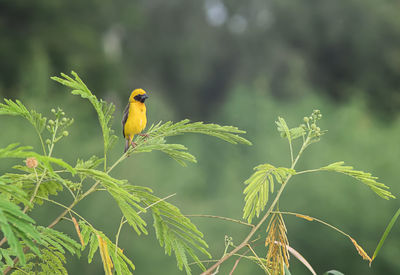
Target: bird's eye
138, 97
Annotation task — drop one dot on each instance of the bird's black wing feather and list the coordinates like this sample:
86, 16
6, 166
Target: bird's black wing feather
124, 118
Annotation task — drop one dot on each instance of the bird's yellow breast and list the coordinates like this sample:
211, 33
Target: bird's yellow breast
136, 120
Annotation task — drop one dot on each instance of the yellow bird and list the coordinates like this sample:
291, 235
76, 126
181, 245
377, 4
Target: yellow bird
134, 119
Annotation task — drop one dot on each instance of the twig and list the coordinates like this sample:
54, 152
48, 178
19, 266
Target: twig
258, 258
222, 218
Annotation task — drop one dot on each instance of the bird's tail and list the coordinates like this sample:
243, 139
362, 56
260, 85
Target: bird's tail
126, 145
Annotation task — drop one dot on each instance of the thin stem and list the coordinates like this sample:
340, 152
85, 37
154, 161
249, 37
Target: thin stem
222, 218
41, 141
66, 207
38, 182
308, 171
258, 258
121, 223
313, 219
156, 202
291, 150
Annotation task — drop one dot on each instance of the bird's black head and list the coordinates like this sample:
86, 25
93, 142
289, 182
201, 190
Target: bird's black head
141, 97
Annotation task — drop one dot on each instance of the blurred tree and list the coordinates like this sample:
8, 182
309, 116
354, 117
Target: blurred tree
197, 51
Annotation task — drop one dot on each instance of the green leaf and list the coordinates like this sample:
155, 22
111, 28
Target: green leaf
175, 232
386, 233
10, 190
175, 151
91, 163
50, 185
290, 134
51, 261
258, 186
227, 133
366, 178
157, 134
94, 245
5, 253
128, 203
104, 110
18, 109
18, 228
59, 240
283, 128
13, 151
122, 264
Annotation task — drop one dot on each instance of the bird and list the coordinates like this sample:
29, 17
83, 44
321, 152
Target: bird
134, 118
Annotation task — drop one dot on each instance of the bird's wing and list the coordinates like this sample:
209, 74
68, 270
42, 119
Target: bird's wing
124, 118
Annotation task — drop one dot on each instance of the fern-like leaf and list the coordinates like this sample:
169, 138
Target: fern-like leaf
104, 110
51, 261
122, 265
10, 191
18, 228
366, 178
157, 134
18, 109
59, 241
258, 187
174, 231
290, 134
175, 151
128, 203
227, 133
13, 151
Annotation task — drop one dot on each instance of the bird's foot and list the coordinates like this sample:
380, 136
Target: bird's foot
133, 144
146, 136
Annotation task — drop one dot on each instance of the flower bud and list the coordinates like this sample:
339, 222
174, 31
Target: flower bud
48, 141
31, 162
306, 119
65, 133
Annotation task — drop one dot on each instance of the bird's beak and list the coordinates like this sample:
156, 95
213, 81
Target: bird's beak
143, 97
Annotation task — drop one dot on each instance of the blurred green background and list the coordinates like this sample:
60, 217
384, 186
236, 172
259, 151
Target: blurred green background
240, 63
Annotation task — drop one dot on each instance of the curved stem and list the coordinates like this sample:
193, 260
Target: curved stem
222, 218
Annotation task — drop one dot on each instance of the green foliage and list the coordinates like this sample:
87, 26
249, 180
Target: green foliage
261, 182
18, 109
157, 134
13, 151
366, 178
59, 241
51, 261
18, 228
292, 133
386, 233
104, 110
174, 231
12, 192
258, 187
41, 250
90, 235
128, 203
